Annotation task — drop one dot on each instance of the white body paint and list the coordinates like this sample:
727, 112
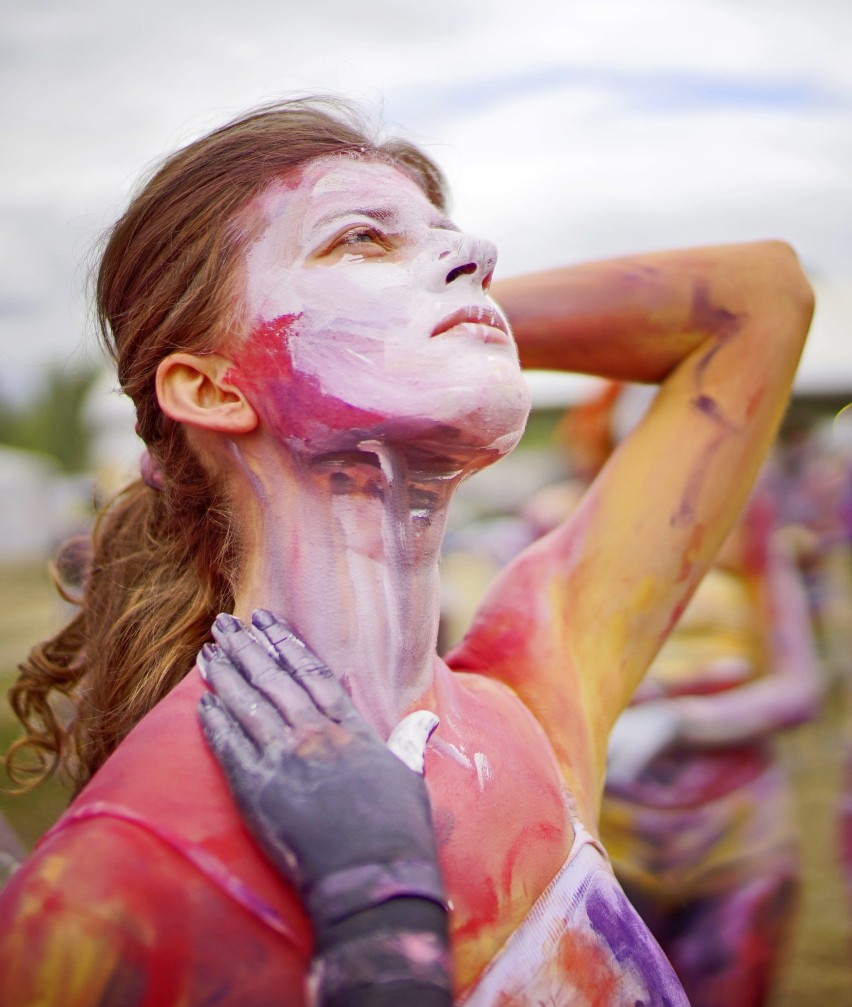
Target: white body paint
366, 320
408, 739
483, 769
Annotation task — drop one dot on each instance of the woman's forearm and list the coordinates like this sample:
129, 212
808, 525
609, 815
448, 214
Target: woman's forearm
635, 318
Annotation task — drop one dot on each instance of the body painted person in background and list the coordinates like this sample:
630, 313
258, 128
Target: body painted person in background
696, 814
812, 484
317, 362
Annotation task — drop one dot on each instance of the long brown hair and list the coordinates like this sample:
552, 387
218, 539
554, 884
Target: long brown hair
163, 563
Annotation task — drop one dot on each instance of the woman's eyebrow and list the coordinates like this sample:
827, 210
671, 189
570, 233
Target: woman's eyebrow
380, 214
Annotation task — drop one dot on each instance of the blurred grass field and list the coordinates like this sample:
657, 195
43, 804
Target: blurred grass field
818, 972
30, 610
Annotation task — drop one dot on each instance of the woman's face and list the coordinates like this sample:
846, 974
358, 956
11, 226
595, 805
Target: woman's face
370, 318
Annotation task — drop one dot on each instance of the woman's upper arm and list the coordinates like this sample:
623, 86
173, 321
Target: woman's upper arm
602, 592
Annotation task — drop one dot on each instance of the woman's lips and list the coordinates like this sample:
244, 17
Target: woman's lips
487, 323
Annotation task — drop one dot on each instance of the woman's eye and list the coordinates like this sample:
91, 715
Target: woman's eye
363, 236
365, 241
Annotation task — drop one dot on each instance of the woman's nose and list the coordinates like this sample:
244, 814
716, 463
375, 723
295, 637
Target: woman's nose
470, 257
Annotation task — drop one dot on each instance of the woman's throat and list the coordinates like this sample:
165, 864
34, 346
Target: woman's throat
346, 549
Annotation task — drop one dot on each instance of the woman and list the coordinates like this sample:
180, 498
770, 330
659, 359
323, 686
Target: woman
317, 362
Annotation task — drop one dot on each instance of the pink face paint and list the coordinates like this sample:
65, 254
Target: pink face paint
371, 321
302, 410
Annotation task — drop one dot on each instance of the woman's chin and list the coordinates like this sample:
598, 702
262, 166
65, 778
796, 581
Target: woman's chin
473, 423
464, 440
472, 437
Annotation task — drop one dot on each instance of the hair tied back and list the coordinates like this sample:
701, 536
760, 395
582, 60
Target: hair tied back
149, 469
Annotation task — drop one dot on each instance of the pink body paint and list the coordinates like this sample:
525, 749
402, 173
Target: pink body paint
302, 409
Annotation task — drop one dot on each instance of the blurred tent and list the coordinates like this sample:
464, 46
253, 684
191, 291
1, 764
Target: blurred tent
826, 367
114, 447
40, 506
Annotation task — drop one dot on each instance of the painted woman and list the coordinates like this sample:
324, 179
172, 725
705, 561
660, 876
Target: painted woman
697, 813
317, 361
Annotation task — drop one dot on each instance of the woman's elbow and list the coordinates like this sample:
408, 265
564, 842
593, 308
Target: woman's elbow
789, 287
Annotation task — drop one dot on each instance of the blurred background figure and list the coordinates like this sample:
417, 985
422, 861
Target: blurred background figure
697, 814
810, 478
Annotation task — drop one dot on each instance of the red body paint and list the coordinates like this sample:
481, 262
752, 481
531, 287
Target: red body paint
294, 403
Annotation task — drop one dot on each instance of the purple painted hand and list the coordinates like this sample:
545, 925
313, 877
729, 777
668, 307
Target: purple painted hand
341, 816
334, 809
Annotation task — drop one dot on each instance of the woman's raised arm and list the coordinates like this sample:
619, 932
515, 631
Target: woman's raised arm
637, 317
721, 329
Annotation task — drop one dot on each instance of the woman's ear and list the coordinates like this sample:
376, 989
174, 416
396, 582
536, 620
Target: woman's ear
194, 389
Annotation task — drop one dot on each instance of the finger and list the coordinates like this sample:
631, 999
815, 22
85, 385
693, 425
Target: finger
408, 739
307, 669
257, 717
233, 750
263, 669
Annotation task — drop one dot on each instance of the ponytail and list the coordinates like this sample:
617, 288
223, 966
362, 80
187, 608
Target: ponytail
158, 576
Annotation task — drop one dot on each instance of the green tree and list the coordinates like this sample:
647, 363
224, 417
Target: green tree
52, 422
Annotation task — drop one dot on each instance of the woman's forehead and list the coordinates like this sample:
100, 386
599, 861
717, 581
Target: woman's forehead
339, 183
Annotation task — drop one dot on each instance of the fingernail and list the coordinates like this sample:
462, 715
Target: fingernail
226, 623
262, 619
205, 656
207, 701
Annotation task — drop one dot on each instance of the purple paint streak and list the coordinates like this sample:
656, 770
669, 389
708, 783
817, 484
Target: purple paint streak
631, 944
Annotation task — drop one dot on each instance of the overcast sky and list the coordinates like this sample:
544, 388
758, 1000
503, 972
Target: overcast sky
569, 129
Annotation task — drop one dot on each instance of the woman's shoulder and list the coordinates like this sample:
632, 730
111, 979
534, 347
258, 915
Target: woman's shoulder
484, 704
150, 873
512, 658
163, 781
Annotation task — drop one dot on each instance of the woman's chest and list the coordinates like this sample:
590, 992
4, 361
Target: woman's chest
500, 816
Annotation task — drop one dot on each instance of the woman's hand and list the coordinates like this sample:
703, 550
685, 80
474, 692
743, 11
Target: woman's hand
338, 813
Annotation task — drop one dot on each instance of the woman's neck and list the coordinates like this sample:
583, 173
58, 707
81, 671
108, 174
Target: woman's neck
346, 548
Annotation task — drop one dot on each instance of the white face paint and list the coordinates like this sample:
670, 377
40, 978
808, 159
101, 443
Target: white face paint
353, 290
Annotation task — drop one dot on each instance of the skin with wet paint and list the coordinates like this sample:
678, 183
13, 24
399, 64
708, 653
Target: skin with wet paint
342, 518
371, 413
